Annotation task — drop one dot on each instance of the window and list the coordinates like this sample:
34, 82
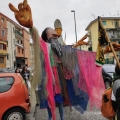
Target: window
21, 41
1, 60
22, 51
2, 20
4, 47
7, 56
14, 52
116, 23
13, 29
18, 50
3, 33
1, 46
6, 83
104, 22
7, 43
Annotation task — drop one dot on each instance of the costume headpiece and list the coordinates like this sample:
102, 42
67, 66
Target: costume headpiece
57, 24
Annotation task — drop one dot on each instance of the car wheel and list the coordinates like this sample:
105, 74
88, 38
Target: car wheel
14, 114
107, 84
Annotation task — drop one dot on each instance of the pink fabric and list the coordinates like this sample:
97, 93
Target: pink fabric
49, 85
91, 80
57, 87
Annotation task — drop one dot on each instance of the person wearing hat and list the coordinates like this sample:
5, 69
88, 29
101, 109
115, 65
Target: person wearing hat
58, 29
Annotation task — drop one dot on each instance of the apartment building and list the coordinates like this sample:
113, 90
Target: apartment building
112, 26
18, 44
3, 41
31, 54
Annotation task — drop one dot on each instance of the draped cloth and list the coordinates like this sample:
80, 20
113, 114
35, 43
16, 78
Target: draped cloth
91, 80
49, 85
79, 101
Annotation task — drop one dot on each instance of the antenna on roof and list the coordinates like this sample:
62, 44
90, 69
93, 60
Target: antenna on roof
110, 14
118, 13
93, 16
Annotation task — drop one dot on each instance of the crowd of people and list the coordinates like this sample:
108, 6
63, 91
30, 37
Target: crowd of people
25, 73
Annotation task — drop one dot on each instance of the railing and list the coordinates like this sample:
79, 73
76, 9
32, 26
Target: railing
117, 25
20, 45
18, 33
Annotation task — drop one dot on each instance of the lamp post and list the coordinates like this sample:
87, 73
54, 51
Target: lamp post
75, 24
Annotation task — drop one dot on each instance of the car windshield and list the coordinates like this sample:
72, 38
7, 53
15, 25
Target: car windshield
109, 68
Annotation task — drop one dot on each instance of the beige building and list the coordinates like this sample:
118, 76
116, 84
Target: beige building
112, 26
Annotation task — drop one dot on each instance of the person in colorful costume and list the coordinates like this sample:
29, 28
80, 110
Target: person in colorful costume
58, 29
50, 80
48, 36
47, 53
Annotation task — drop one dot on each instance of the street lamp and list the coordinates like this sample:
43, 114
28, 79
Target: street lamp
75, 25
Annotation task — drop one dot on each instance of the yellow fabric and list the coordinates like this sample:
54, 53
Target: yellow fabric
99, 56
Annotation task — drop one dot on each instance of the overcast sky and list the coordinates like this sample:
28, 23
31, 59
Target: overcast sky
46, 11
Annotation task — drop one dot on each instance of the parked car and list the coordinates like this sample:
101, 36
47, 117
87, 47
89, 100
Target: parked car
14, 97
108, 71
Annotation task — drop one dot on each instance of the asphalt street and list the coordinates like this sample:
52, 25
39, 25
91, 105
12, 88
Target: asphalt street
41, 114
70, 115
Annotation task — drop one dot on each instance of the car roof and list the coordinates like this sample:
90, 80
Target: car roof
109, 67
109, 64
8, 74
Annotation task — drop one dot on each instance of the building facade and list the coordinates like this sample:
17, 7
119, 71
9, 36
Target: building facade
31, 55
3, 41
18, 44
112, 26
26, 42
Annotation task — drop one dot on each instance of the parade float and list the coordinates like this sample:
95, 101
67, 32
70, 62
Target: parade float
81, 79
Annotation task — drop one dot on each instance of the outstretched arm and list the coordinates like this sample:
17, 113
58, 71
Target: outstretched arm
23, 15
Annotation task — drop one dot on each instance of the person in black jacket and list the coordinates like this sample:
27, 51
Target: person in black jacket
17, 70
116, 94
25, 74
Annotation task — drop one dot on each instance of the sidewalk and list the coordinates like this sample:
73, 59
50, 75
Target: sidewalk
31, 116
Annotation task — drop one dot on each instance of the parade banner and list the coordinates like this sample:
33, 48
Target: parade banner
102, 41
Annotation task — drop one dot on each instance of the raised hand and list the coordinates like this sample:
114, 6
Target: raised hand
23, 14
115, 45
81, 42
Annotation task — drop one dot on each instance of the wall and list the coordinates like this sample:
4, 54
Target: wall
94, 36
26, 41
3, 27
11, 45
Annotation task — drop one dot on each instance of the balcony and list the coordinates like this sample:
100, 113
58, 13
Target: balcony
114, 37
18, 34
3, 52
3, 48
17, 44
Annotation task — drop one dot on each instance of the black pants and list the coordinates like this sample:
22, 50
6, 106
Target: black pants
118, 115
118, 103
